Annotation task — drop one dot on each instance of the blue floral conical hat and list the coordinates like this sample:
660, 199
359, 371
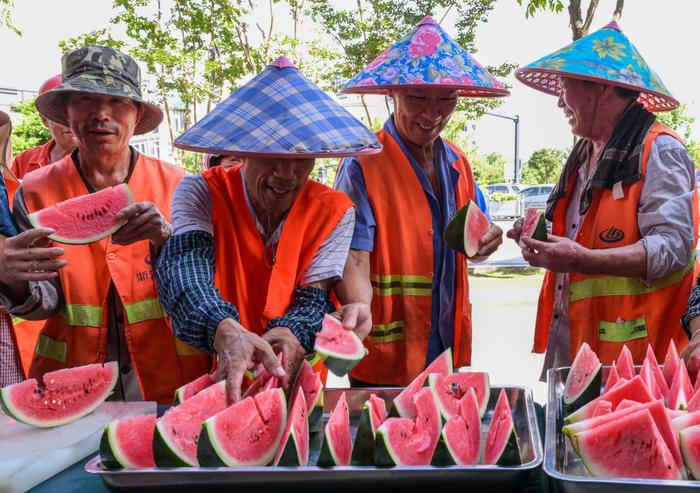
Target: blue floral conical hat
606, 56
279, 113
426, 57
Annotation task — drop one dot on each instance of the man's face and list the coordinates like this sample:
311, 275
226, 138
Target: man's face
579, 99
102, 123
62, 135
229, 162
421, 114
274, 183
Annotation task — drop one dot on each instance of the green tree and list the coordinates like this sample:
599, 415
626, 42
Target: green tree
544, 166
31, 132
682, 123
6, 7
98, 37
580, 25
487, 168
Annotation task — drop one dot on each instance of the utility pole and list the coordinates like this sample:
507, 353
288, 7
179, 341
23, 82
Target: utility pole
516, 158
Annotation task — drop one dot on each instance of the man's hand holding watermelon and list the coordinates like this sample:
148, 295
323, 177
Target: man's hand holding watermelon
143, 222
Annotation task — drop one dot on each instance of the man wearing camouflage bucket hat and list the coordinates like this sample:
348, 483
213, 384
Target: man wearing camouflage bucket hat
624, 215
100, 299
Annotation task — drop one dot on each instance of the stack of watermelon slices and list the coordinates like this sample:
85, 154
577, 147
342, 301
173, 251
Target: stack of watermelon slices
646, 423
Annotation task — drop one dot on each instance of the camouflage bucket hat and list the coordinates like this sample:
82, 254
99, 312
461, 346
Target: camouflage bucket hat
98, 70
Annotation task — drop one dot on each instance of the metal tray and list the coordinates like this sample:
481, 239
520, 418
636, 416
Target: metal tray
353, 477
563, 464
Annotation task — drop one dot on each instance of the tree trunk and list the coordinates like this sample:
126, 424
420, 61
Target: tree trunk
618, 9
364, 105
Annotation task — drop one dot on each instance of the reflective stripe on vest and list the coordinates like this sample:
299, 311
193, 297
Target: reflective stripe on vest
622, 331
91, 315
143, 310
401, 284
51, 348
383, 333
624, 286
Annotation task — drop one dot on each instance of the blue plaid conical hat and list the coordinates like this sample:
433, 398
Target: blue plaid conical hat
279, 113
606, 56
426, 57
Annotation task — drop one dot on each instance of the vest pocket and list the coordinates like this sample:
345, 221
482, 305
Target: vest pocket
623, 330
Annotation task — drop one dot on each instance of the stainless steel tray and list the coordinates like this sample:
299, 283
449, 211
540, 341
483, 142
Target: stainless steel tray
273, 478
563, 464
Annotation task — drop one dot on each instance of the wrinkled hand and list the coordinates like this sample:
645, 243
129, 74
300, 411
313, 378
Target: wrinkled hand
517, 229
356, 317
489, 243
691, 355
557, 254
143, 222
238, 351
26, 257
284, 342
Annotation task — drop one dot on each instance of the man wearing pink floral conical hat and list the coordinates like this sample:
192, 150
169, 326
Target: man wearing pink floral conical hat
621, 257
405, 196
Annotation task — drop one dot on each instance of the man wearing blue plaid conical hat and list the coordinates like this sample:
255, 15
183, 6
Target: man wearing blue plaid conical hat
624, 214
257, 247
404, 198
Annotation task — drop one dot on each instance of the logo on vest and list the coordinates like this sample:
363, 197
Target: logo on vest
611, 235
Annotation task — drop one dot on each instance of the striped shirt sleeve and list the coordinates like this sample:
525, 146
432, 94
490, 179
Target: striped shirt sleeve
192, 206
329, 260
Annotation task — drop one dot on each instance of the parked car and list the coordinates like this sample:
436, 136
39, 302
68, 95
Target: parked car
535, 196
501, 188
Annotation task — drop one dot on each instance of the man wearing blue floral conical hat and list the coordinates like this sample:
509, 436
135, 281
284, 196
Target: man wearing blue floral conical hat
624, 214
256, 247
404, 198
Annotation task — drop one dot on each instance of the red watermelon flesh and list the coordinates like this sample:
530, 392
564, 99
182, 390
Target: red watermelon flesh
247, 433
681, 389
656, 372
534, 226
311, 386
337, 443
476, 226
625, 364
650, 381
684, 421
410, 442
635, 389
630, 447
462, 432
128, 442
583, 380
501, 445
626, 404
674, 413
340, 349
690, 448
613, 378
377, 411
177, 431
602, 407
403, 403
87, 218
450, 389
67, 395
294, 445
671, 363
194, 387
694, 403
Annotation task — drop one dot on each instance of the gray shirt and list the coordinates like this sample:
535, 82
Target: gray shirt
665, 219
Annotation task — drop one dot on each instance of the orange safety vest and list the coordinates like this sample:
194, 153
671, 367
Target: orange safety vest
32, 158
77, 335
259, 292
607, 311
401, 269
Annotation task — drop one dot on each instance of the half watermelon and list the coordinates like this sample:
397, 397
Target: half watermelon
340, 349
501, 445
67, 395
337, 443
403, 403
373, 415
583, 380
460, 440
87, 218
128, 443
466, 228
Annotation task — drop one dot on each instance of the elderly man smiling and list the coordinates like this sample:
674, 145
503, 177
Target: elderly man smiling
405, 197
100, 299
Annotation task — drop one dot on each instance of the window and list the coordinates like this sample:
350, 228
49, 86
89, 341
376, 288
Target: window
529, 192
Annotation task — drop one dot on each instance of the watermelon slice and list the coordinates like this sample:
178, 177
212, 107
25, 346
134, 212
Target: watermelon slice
694, 402
450, 389
247, 433
681, 389
633, 390
628, 447
602, 407
340, 349
613, 377
671, 363
373, 415
690, 448
68, 394
466, 228
625, 364
410, 442
177, 431
501, 447
87, 218
650, 381
128, 443
460, 440
194, 387
656, 371
686, 420
583, 380
337, 444
294, 445
403, 403
534, 226
309, 382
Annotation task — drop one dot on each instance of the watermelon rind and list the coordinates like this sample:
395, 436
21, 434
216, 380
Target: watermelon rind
166, 453
36, 223
13, 411
587, 371
290, 453
503, 452
454, 232
340, 364
384, 454
540, 231
290, 446
316, 419
363, 445
111, 456
510, 456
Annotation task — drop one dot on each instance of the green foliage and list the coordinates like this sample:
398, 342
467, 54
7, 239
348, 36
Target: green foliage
503, 197
694, 150
193, 162
325, 170
31, 132
678, 120
532, 6
487, 168
99, 37
544, 166
6, 7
